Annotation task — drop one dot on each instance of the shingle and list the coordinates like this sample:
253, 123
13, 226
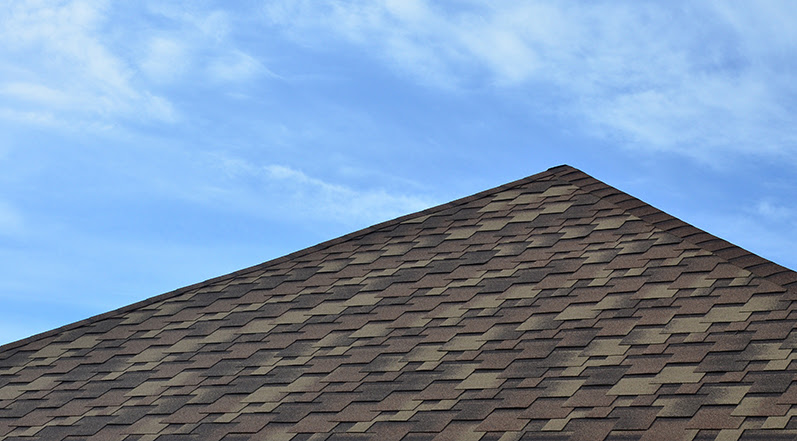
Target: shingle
555, 307
633, 418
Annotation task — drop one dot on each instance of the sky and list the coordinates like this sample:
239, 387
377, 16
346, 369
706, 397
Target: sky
149, 145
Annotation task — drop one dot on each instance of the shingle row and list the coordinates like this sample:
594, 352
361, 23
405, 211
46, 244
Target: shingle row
552, 308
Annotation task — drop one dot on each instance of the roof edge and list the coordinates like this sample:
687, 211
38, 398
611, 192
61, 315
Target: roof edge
732, 253
320, 246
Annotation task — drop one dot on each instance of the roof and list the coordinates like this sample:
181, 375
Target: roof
552, 308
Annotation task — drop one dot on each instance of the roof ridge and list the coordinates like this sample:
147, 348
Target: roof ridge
496, 295
298, 253
728, 251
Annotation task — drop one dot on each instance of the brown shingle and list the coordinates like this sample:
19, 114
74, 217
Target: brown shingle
555, 307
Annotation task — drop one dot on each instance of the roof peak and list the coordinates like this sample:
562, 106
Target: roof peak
554, 305
298, 253
565, 173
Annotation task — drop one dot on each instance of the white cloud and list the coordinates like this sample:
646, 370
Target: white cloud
279, 190
691, 78
34, 92
37, 118
234, 66
75, 64
199, 42
65, 64
165, 59
212, 24
773, 211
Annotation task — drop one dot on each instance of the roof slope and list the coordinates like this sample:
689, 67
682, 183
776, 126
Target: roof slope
552, 308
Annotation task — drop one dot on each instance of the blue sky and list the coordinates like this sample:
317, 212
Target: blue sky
145, 146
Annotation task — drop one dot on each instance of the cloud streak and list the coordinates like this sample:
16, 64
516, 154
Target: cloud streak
76, 63
718, 81
86, 79
284, 192
695, 79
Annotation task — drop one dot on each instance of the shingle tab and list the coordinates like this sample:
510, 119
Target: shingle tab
550, 308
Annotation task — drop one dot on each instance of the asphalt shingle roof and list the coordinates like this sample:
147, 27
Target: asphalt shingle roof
551, 308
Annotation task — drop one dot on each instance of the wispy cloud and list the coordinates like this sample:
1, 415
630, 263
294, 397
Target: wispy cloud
198, 41
287, 192
236, 66
63, 65
690, 78
164, 60
776, 212
35, 93
75, 64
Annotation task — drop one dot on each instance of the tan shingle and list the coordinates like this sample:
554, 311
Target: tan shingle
555, 307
